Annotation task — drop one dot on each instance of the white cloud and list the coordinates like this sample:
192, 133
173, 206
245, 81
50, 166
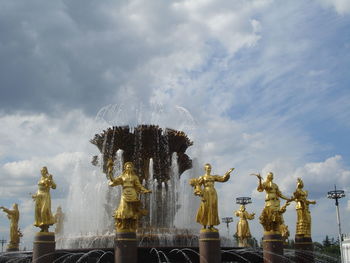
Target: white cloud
322, 176
37, 140
28, 135
341, 6
318, 179
244, 109
223, 142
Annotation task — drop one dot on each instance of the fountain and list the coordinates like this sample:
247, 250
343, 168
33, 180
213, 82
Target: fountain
159, 158
151, 150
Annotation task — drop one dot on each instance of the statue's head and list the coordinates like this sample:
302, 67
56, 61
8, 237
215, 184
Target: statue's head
269, 176
207, 168
59, 209
128, 167
15, 206
242, 208
300, 183
44, 171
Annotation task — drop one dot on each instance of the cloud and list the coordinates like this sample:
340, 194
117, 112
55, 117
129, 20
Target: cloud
341, 6
71, 57
223, 142
37, 140
318, 178
255, 84
19, 178
28, 135
322, 176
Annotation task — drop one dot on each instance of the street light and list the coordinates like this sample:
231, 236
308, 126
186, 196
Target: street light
337, 194
243, 200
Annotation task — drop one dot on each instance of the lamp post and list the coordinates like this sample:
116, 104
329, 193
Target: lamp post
227, 221
337, 194
243, 200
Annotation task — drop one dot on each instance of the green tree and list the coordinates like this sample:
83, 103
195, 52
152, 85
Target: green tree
326, 242
330, 247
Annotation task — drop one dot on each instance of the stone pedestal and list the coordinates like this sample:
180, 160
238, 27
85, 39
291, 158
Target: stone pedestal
273, 247
304, 249
12, 249
125, 247
44, 247
209, 247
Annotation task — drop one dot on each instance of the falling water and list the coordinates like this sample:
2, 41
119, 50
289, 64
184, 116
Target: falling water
91, 202
89, 208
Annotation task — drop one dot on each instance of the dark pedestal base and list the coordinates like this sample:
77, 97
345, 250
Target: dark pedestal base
125, 247
209, 247
304, 249
12, 249
44, 247
273, 248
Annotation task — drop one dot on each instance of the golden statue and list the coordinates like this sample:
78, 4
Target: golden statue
59, 217
15, 233
283, 228
130, 208
302, 207
42, 198
207, 214
243, 231
272, 215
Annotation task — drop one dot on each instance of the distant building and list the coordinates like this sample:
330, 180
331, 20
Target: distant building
346, 248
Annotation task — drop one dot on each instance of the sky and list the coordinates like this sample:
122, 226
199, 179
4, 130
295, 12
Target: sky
259, 85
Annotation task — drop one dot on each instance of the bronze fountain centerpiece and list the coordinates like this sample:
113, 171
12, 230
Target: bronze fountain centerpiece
149, 147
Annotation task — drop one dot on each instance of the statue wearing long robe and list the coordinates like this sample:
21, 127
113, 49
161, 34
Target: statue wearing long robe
207, 214
42, 198
272, 215
130, 208
300, 195
15, 234
243, 231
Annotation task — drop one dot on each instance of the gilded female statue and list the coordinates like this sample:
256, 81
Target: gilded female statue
302, 207
130, 207
243, 231
207, 214
42, 198
272, 215
15, 233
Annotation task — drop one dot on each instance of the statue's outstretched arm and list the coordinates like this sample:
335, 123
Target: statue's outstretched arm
279, 193
116, 181
8, 212
260, 187
312, 202
284, 207
140, 188
113, 181
225, 177
52, 182
251, 216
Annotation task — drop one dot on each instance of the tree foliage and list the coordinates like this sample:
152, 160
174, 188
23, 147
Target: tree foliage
329, 246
